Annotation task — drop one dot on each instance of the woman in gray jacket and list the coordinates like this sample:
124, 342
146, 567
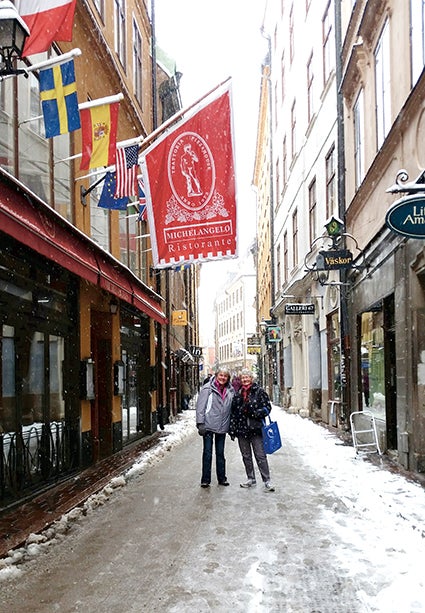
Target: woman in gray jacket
212, 420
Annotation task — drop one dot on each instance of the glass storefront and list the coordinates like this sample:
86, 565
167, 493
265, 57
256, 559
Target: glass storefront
38, 340
372, 361
135, 402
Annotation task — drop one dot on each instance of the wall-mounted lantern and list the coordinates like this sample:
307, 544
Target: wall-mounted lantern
113, 306
13, 34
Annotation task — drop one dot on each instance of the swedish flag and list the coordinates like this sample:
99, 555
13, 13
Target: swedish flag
58, 93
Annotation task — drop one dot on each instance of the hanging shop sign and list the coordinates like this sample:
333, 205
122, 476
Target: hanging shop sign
299, 309
334, 259
274, 334
407, 216
253, 340
253, 350
179, 318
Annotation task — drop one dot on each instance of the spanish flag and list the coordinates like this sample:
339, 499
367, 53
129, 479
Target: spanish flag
99, 133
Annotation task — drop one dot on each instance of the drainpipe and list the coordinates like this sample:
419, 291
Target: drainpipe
157, 275
273, 350
344, 325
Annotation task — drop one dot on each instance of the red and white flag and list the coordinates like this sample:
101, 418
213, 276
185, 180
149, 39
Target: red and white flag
127, 167
48, 21
189, 178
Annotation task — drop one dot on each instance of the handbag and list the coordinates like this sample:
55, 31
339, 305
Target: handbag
271, 436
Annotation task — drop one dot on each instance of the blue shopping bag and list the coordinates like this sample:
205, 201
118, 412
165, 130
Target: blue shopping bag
271, 436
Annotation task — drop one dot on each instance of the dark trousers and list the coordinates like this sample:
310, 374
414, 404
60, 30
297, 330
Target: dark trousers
254, 444
220, 461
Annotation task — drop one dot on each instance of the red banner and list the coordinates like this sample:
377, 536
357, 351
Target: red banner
47, 21
190, 188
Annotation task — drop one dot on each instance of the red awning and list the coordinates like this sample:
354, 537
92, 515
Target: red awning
30, 221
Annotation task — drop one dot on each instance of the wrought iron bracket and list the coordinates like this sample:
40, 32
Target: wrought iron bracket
401, 185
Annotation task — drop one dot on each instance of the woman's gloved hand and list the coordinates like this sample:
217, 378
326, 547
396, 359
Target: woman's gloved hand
201, 429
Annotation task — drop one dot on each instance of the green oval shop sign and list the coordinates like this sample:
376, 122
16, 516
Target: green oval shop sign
407, 216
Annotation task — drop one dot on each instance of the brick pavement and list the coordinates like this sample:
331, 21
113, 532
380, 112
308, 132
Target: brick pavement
34, 515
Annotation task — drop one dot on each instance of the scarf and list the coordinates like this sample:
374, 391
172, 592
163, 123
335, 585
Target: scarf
245, 393
221, 389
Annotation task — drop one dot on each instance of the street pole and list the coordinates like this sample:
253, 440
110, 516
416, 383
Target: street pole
343, 274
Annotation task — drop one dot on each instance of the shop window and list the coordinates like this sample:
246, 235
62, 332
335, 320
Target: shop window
334, 356
372, 359
8, 388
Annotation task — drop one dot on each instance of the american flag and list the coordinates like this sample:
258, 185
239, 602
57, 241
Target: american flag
126, 163
143, 215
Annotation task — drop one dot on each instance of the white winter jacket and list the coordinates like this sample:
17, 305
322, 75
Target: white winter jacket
213, 409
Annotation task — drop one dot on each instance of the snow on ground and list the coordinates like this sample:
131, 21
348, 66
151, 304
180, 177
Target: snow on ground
377, 515
380, 515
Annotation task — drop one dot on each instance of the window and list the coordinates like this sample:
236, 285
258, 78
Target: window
334, 356
7, 142
119, 30
278, 179
278, 268
62, 192
276, 114
282, 77
284, 163
291, 34
328, 43
312, 209
285, 258
99, 217
417, 28
383, 86
330, 183
137, 62
358, 116
100, 7
293, 131
34, 149
295, 238
310, 79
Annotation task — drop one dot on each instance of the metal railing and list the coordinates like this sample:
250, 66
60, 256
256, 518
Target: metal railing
33, 456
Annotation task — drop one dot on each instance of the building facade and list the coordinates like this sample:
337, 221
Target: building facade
83, 317
383, 85
236, 318
304, 149
347, 151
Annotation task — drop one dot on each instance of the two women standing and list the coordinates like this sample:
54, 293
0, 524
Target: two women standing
221, 409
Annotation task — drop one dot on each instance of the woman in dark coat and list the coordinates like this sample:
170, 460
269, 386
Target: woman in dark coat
250, 405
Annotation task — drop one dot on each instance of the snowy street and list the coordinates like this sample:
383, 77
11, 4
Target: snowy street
338, 535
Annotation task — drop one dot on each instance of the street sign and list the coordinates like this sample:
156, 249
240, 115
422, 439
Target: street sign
299, 309
253, 340
407, 216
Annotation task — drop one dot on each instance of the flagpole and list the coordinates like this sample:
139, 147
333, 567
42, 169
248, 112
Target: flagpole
84, 105
55, 61
99, 101
152, 135
180, 113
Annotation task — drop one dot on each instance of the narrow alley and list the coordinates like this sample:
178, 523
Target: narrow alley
339, 534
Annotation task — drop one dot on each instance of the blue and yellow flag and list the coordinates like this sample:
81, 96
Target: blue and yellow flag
58, 93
